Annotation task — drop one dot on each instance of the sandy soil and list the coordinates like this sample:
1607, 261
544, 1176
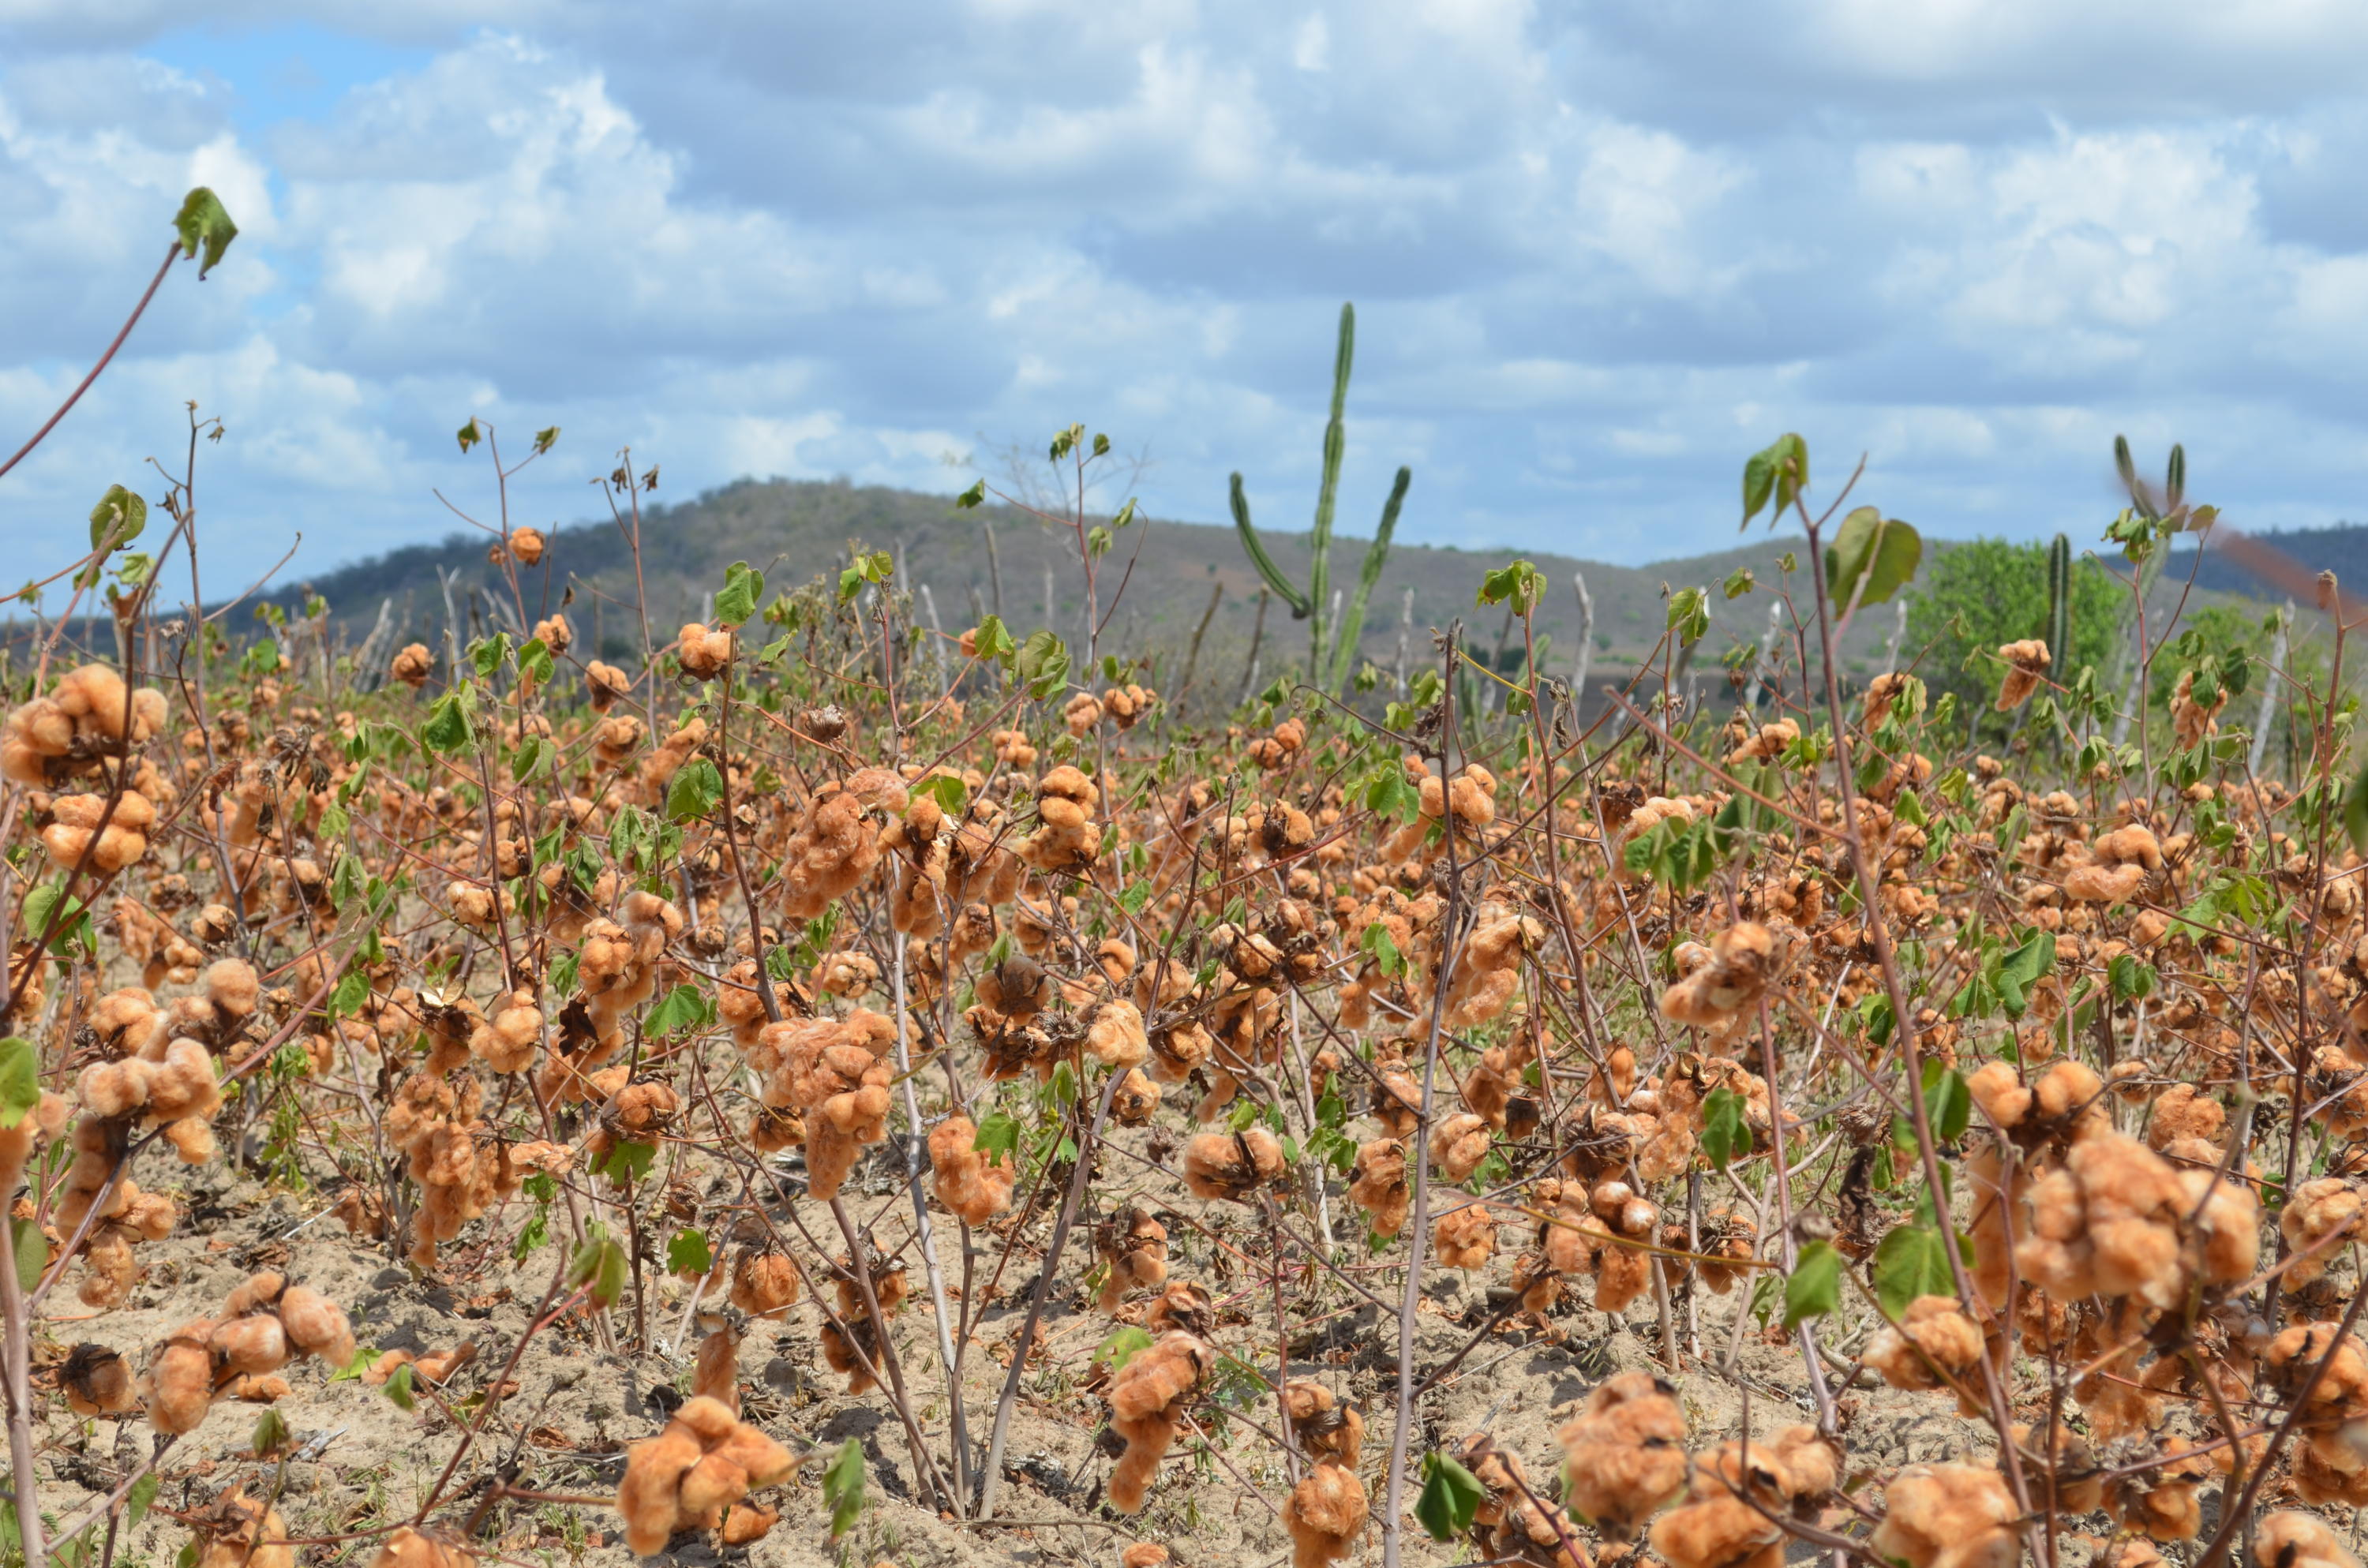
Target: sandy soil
577, 1403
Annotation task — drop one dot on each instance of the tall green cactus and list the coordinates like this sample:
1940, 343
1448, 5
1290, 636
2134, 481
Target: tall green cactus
2174, 491
2059, 602
1327, 665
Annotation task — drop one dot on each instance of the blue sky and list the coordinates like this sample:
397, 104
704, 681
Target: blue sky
1600, 251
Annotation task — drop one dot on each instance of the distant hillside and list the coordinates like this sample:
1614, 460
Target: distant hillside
796, 531
2341, 547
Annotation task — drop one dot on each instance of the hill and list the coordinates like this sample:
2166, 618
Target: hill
2341, 547
972, 562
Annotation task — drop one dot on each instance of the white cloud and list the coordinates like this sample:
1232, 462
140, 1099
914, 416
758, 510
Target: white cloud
1599, 254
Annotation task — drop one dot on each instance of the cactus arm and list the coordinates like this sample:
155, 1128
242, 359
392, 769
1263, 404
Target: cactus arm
1263, 562
2175, 490
1352, 624
2059, 604
1335, 445
2128, 470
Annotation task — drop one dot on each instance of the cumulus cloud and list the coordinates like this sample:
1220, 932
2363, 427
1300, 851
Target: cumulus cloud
1600, 252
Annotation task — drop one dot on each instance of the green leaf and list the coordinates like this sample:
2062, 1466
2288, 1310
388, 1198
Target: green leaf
998, 1135
1882, 552
398, 1389
697, 790
204, 225
2130, 977
598, 1265
1451, 1496
992, 640
1726, 1135
683, 1008
20, 1079
1689, 615
1911, 1261
842, 1487
119, 518
1948, 1103
1043, 663
32, 1252
973, 496
1123, 1344
689, 1253
744, 588
1740, 582
364, 1358
1520, 586
446, 728
136, 1502
628, 1161
468, 435
2355, 812
271, 1434
1777, 473
950, 793
2021, 969
534, 661
1815, 1286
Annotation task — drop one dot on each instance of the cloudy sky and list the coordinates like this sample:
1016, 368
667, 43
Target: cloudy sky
1600, 250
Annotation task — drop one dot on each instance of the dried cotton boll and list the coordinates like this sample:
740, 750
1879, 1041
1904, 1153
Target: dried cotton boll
413, 665
2324, 1215
765, 1284
2026, 662
705, 1460
2195, 721
178, 1388
1377, 1184
1082, 713
1624, 1454
1114, 1034
1459, 1146
1933, 1344
239, 1531
1018, 988
1126, 705
1730, 1518
1066, 839
1488, 975
1133, 1247
507, 1041
255, 1343
1949, 1515
407, 1548
2161, 1503
704, 653
1147, 1399
848, 976
2103, 884
748, 1522
1513, 1520
1151, 1554
831, 853
1325, 1514
1136, 1100
1743, 961
2292, 1539
316, 1326
1324, 1426
1234, 1166
95, 1381
962, 1177
1464, 1239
